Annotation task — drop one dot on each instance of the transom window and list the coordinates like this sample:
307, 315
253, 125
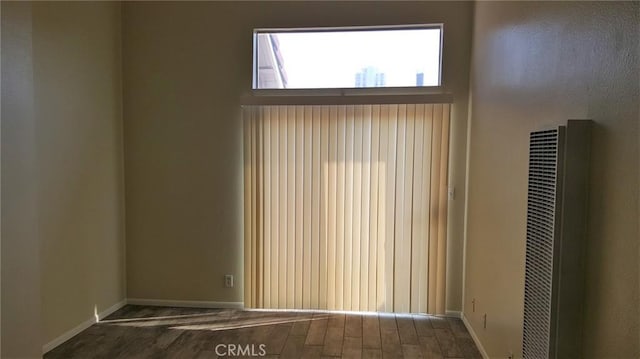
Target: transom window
353, 57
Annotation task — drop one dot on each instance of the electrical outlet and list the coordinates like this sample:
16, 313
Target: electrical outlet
228, 281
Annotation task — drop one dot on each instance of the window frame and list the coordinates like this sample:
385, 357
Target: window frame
347, 91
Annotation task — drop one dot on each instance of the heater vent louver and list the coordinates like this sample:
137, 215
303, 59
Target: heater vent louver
556, 230
541, 215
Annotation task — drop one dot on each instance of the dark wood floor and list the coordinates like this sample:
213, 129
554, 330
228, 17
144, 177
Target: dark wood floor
160, 332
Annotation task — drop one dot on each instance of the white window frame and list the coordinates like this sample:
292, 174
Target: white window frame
340, 92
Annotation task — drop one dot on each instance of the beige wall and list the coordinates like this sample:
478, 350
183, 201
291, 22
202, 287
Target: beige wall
63, 195
21, 318
539, 64
77, 76
185, 67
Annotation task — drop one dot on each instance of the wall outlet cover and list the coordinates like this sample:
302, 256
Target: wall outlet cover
228, 281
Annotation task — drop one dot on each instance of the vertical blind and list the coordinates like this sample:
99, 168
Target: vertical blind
345, 207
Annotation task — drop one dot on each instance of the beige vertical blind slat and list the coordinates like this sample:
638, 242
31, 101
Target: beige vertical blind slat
400, 286
340, 210
306, 239
357, 208
266, 153
291, 203
435, 214
425, 202
348, 207
248, 124
389, 196
299, 208
417, 213
282, 205
332, 169
366, 212
408, 205
315, 207
345, 207
255, 213
275, 221
258, 255
324, 206
442, 209
373, 207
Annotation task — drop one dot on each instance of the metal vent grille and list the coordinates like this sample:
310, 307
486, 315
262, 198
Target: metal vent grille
541, 219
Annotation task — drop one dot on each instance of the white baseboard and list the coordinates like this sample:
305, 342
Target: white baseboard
185, 303
453, 313
474, 336
82, 326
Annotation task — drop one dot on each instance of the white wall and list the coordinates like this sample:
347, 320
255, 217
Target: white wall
78, 96
186, 66
21, 320
62, 185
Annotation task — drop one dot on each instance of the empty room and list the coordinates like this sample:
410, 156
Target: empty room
317, 179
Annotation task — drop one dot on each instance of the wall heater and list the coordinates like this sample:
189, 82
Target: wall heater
556, 236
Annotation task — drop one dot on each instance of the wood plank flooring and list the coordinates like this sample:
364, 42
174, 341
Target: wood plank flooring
161, 332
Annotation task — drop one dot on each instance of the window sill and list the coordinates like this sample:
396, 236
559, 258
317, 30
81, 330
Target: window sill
347, 96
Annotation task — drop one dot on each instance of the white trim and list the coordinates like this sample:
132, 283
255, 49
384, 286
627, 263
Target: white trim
68, 335
350, 28
82, 326
465, 234
350, 91
475, 337
343, 97
107, 312
298, 30
185, 303
453, 314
